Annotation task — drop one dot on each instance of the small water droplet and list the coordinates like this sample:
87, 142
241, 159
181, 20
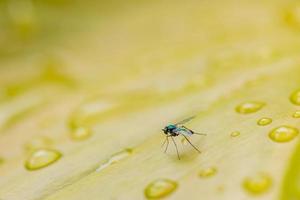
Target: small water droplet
235, 134
41, 158
249, 107
160, 188
264, 121
81, 133
38, 143
283, 134
295, 97
258, 184
114, 159
208, 172
296, 114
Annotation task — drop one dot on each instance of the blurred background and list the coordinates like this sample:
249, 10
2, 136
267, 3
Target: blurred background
87, 86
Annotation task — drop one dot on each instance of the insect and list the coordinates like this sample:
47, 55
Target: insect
174, 130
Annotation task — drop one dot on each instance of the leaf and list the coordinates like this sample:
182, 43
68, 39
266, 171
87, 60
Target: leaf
138, 66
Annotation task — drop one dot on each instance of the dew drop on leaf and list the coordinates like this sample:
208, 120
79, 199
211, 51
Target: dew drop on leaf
80, 133
283, 134
115, 158
208, 172
296, 114
160, 188
264, 121
249, 107
41, 158
257, 184
235, 134
295, 97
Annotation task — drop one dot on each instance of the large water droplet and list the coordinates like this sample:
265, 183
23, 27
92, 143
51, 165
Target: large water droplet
42, 158
160, 188
295, 97
114, 159
235, 134
283, 134
258, 184
296, 114
81, 133
249, 107
264, 121
208, 172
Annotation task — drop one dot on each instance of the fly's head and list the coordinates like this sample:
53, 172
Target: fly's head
169, 129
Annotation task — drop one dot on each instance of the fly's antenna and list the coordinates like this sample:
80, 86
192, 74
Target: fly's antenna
176, 148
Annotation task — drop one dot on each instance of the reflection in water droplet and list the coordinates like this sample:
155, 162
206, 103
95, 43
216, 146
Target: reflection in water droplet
160, 188
208, 172
264, 121
42, 158
38, 143
283, 134
81, 133
235, 134
295, 97
114, 159
258, 184
296, 114
249, 107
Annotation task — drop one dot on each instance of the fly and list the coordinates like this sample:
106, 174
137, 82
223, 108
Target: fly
174, 130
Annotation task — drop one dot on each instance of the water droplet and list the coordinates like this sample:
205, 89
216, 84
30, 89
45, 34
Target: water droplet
38, 143
235, 134
81, 133
160, 188
208, 172
295, 97
258, 184
283, 134
296, 114
42, 158
249, 107
264, 121
114, 159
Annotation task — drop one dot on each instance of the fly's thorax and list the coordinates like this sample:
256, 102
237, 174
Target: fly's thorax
171, 127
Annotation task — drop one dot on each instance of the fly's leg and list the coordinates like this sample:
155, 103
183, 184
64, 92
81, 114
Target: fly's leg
167, 140
191, 144
176, 147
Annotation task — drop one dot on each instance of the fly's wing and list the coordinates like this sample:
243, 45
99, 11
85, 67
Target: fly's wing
183, 131
185, 120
